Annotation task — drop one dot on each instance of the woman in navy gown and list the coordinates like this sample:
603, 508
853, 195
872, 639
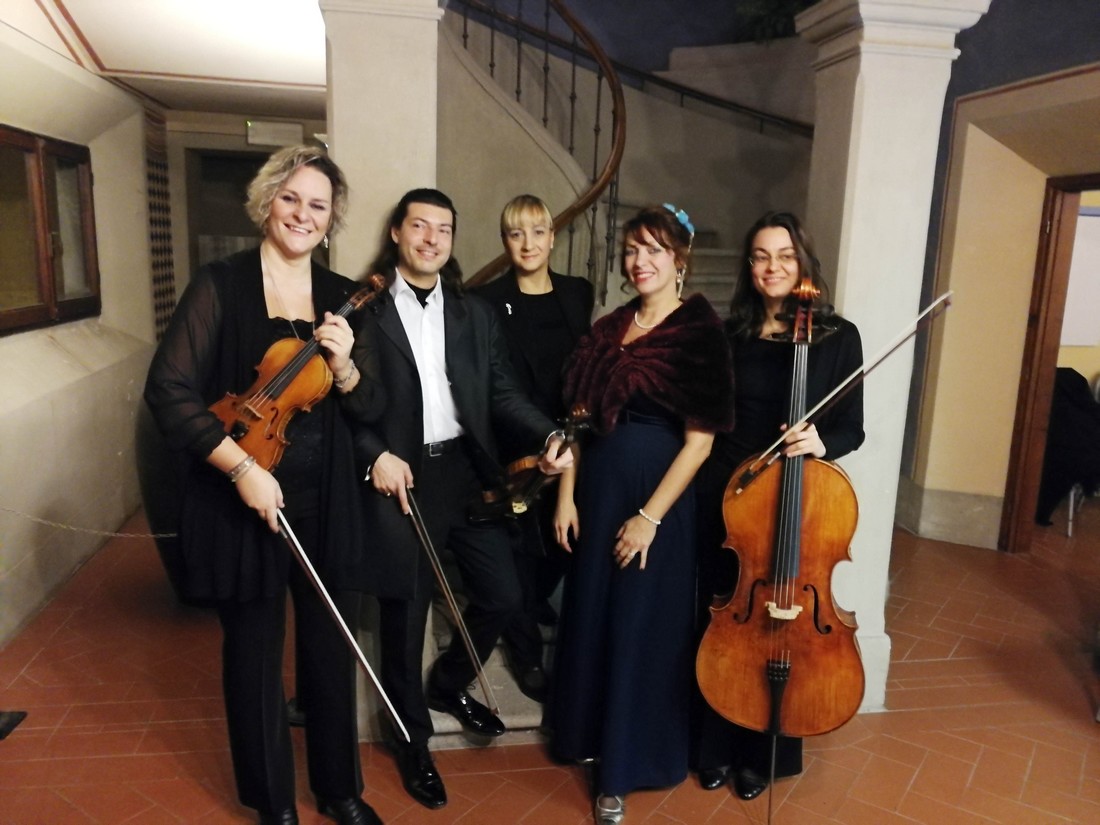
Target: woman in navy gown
655, 375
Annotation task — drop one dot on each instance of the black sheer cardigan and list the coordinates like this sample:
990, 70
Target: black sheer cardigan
218, 334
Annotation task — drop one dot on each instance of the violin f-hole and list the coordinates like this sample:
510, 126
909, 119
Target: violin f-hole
823, 629
742, 619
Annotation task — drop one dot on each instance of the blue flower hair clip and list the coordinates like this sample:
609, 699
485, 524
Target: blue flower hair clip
682, 217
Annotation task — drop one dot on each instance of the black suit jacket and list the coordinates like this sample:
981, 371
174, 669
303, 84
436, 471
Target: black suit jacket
576, 299
487, 396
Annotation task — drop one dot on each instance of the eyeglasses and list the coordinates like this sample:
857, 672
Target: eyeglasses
763, 258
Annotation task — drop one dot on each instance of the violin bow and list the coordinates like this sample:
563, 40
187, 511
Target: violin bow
448, 594
774, 450
318, 585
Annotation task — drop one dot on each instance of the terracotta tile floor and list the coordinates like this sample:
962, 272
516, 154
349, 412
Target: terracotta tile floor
991, 700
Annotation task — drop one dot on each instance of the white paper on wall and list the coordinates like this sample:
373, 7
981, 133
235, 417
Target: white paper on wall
1081, 321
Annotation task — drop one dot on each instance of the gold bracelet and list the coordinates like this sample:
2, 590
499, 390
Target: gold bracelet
235, 474
656, 522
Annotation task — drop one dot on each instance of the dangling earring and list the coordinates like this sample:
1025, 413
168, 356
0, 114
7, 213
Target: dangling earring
679, 282
324, 241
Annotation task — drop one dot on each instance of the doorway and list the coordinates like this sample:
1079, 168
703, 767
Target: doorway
217, 187
1042, 343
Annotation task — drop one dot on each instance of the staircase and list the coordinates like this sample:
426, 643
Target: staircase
720, 161
713, 273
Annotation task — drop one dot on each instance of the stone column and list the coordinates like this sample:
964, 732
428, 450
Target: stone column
382, 113
881, 74
382, 127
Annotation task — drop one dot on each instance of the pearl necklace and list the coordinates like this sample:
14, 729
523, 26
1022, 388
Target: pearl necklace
640, 325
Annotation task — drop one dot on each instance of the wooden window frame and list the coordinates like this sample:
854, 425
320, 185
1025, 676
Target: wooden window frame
51, 309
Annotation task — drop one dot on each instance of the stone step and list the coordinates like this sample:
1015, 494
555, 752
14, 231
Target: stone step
521, 715
713, 273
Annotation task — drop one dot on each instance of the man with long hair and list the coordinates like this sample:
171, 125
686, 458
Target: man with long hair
441, 359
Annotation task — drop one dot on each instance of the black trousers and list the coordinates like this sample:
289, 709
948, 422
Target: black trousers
483, 553
541, 564
255, 705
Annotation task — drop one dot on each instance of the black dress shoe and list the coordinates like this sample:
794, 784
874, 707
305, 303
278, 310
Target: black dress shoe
474, 716
352, 811
711, 779
749, 784
287, 817
418, 774
532, 682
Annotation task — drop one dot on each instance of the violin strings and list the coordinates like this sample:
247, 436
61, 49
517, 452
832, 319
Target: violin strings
281, 380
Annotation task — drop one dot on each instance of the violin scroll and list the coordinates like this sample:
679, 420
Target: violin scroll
375, 284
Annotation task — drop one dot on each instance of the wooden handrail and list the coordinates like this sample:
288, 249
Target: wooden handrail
618, 137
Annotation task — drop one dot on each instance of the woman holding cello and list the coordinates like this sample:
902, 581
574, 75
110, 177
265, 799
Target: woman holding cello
231, 314
778, 256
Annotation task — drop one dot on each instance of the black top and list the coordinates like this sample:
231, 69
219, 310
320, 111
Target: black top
218, 334
762, 389
542, 331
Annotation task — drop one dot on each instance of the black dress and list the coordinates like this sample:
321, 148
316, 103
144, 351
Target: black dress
625, 649
763, 369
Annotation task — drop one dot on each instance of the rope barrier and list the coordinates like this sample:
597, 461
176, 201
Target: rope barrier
88, 530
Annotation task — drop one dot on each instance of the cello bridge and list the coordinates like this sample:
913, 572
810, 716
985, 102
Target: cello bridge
786, 614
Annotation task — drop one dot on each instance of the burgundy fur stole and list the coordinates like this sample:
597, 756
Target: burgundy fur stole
683, 364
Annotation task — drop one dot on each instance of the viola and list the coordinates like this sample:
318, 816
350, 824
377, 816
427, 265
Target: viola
780, 656
523, 478
291, 378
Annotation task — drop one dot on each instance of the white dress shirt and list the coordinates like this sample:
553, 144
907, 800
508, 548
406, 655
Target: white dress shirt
424, 328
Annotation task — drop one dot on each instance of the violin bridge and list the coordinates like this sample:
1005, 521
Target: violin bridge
519, 507
785, 614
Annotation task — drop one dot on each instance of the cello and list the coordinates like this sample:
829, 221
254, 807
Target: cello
780, 656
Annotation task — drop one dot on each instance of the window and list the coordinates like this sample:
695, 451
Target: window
48, 266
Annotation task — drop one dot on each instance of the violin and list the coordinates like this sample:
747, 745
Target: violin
523, 478
780, 656
292, 377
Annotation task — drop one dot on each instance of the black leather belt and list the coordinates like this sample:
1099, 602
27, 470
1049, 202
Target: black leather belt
437, 448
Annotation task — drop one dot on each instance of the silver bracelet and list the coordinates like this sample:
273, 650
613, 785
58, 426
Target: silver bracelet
556, 434
235, 474
656, 522
339, 382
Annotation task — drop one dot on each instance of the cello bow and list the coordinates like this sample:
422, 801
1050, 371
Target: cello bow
774, 450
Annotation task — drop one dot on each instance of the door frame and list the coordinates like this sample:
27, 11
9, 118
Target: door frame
1040, 359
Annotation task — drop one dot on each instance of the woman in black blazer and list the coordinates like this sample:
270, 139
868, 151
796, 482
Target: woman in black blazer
544, 314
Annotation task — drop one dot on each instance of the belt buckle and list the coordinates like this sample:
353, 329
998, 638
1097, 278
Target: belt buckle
435, 449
